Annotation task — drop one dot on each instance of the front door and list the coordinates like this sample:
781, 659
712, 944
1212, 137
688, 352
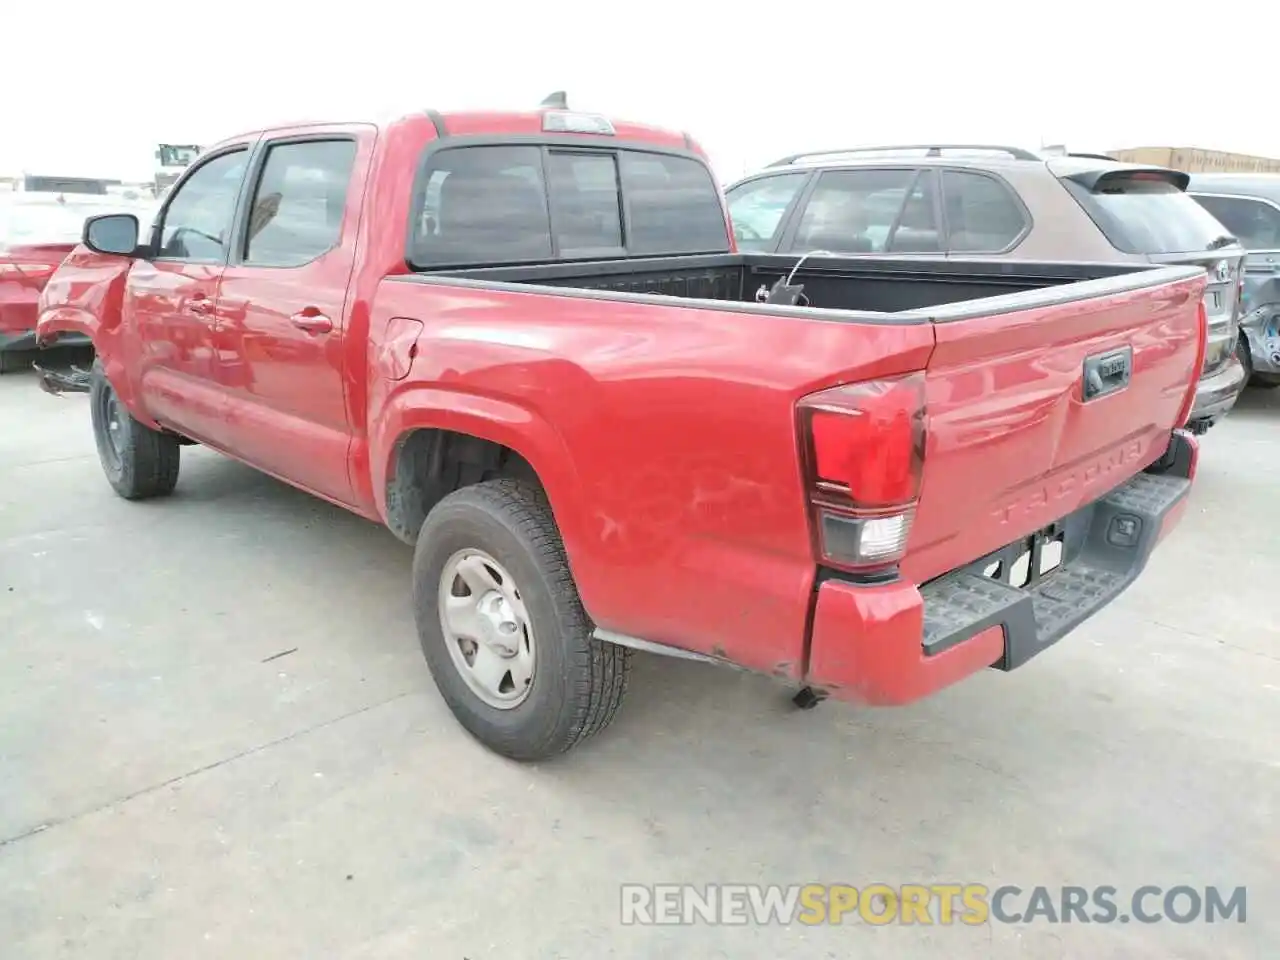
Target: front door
282, 310
171, 298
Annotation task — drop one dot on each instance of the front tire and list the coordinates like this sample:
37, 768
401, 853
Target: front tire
502, 628
139, 462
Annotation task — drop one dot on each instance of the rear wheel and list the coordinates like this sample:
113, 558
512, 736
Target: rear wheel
139, 462
502, 628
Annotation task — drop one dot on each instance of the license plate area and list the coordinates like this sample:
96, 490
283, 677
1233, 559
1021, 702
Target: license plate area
1029, 561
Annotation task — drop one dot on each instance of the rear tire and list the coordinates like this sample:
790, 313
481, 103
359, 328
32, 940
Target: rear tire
500, 536
139, 462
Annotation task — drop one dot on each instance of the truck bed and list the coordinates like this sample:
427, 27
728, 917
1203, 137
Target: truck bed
863, 285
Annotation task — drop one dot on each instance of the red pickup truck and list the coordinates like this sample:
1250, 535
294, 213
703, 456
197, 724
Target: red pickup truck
525, 343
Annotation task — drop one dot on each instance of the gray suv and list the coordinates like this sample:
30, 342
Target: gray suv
1001, 202
1248, 205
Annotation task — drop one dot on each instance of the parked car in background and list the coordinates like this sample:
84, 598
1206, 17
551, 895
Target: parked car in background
37, 230
947, 202
544, 364
1248, 205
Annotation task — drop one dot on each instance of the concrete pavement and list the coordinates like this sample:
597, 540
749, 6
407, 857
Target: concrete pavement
218, 739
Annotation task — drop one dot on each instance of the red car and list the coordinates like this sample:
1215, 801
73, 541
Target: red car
525, 343
37, 230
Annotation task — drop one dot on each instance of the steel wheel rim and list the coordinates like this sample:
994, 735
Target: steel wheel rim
486, 629
112, 425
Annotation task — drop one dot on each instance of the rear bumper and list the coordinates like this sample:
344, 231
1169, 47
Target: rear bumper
1217, 393
894, 643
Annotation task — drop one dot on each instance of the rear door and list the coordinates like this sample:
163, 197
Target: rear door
282, 308
1146, 212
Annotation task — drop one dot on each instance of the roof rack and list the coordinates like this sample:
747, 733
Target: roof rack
1091, 156
931, 150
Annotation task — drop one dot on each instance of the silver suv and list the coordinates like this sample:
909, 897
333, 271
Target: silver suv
990, 202
1248, 205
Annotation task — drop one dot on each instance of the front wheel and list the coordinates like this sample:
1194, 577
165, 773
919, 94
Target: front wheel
139, 462
508, 642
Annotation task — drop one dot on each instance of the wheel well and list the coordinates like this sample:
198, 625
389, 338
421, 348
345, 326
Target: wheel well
428, 465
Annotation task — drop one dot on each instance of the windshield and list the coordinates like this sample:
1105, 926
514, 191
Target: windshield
1149, 216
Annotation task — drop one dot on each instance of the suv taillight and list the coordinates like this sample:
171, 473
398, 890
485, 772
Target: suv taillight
863, 458
1202, 320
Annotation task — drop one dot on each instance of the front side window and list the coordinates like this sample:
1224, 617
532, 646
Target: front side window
1255, 223
297, 208
197, 221
853, 211
757, 208
982, 214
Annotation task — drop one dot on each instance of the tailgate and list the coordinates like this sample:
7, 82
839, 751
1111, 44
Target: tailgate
1015, 440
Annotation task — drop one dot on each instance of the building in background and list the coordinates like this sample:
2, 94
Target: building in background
1197, 160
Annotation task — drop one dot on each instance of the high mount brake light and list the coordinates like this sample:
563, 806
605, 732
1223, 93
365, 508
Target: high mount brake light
565, 121
863, 450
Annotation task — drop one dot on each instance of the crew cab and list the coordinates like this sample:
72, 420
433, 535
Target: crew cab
526, 343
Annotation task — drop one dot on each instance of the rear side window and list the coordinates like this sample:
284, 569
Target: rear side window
512, 204
1255, 223
853, 211
299, 202
756, 208
983, 216
1147, 214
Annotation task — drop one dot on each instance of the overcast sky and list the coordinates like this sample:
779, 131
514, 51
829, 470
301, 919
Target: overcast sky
91, 88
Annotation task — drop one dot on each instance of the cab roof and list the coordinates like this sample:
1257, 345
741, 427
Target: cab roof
499, 123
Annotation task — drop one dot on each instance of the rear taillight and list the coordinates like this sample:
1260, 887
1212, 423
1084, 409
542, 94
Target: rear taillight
1202, 343
863, 452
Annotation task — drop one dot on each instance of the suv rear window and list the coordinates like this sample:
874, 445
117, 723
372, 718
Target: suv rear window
512, 204
1147, 214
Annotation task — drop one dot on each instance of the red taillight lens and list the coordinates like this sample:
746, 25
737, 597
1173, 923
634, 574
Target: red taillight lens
864, 456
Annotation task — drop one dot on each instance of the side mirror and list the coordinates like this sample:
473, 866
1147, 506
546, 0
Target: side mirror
114, 233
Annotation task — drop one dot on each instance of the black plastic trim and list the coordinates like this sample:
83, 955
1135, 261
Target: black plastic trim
437, 121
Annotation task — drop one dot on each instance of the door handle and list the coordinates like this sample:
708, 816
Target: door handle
312, 321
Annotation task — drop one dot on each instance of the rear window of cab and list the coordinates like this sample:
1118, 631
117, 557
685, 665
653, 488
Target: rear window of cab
518, 203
